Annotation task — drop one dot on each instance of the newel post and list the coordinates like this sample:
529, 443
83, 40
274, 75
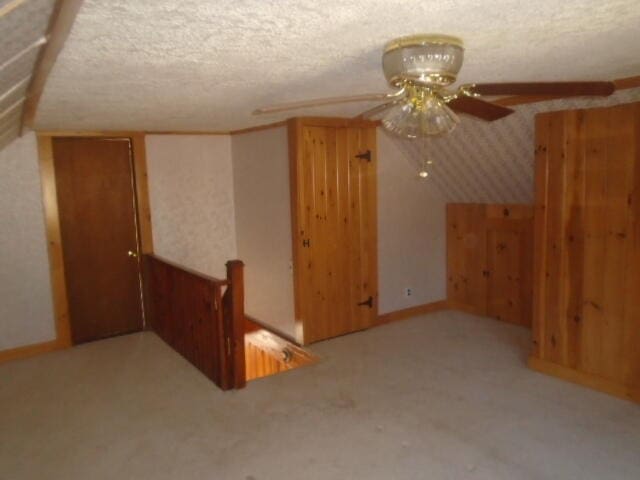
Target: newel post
235, 277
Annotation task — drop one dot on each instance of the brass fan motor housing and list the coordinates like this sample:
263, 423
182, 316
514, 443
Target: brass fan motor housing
425, 60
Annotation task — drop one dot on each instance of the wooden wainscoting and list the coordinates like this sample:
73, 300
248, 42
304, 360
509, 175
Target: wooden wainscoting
190, 312
490, 260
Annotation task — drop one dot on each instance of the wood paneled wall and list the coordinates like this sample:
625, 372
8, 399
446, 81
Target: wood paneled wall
190, 313
489, 260
587, 279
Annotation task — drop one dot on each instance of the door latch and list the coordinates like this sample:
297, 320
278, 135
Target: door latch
306, 242
365, 156
368, 302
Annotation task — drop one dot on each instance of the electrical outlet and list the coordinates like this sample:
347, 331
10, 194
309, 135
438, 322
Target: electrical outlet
407, 292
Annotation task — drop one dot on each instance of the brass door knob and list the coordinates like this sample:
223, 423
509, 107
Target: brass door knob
131, 253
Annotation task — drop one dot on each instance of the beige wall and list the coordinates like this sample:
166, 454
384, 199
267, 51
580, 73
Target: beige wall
263, 225
411, 232
191, 195
26, 311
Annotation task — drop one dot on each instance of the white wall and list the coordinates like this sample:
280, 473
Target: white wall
263, 225
191, 195
411, 232
26, 310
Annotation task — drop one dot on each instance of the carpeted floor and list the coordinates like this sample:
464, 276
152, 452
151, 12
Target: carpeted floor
444, 396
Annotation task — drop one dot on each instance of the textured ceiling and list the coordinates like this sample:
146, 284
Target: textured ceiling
492, 162
205, 65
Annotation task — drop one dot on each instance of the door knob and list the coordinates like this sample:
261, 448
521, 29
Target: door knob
131, 253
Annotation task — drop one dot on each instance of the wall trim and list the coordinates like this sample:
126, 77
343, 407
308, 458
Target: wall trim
54, 241
411, 312
584, 379
26, 351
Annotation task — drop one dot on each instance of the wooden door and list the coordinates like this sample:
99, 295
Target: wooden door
509, 262
587, 280
335, 226
97, 211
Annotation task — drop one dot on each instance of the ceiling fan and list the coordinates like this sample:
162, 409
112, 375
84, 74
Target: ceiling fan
420, 68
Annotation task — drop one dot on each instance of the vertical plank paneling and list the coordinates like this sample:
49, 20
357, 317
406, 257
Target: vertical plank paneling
632, 274
587, 296
619, 181
573, 246
555, 264
489, 260
538, 332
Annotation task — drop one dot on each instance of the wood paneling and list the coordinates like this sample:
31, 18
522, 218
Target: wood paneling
333, 187
489, 260
509, 242
188, 311
466, 257
587, 315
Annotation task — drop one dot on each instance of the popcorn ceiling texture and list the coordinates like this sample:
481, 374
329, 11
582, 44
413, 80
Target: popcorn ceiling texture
203, 65
492, 162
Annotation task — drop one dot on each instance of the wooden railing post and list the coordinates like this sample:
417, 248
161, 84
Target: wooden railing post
235, 326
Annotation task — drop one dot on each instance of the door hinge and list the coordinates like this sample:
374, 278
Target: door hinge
228, 346
368, 302
306, 242
365, 156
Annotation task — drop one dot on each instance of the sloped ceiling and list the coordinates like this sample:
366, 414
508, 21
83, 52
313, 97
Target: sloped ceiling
491, 162
23, 25
206, 65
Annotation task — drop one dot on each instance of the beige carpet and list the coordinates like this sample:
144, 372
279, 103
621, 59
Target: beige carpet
445, 396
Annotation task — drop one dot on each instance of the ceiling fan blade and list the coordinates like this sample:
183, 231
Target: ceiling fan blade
479, 108
318, 102
570, 89
376, 110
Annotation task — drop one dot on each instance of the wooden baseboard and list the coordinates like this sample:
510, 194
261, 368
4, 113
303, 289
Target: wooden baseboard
463, 307
585, 379
29, 351
411, 312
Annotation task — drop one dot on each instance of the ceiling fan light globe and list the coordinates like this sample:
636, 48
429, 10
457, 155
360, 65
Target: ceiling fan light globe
411, 119
427, 60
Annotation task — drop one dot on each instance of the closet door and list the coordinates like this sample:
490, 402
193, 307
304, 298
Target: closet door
334, 223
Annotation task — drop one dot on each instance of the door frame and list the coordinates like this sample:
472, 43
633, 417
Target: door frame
52, 220
295, 145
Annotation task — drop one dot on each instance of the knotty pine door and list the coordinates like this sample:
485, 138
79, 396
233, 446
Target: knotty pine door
98, 226
333, 167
